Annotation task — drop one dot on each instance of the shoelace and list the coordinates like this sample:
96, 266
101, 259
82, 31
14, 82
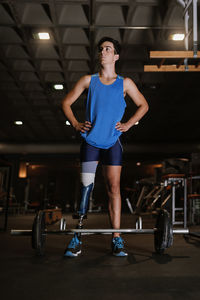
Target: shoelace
119, 243
73, 243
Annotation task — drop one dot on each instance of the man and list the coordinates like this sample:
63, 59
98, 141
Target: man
101, 131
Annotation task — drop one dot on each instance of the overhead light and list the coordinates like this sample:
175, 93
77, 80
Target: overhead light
138, 163
67, 123
152, 86
22, 170
18, 123
41, 35
158, 166
136, 123
183, 159
58, 86
177, 37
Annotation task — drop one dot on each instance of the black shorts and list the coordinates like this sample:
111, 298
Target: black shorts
111, 156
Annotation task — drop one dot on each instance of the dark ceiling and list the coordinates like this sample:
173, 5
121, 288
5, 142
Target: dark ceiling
29, 68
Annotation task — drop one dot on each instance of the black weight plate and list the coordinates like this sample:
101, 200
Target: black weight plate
33, 240
163, 236
38, 233
170, 234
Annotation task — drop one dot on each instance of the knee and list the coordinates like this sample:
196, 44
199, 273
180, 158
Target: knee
113, 188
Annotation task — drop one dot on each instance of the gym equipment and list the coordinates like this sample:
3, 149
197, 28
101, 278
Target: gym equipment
194, 202
38, 236
163, 232
5, 187
194, 199
162, 192
52, 215
174, 180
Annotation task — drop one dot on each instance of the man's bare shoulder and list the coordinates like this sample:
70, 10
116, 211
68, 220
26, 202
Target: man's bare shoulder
128, 82
85, 81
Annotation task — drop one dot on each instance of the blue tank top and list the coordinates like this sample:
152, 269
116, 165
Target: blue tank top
105, 107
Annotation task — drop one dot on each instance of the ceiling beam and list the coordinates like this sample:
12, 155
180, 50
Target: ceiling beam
11, 148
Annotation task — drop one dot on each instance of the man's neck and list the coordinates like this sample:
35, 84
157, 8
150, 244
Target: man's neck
108, 72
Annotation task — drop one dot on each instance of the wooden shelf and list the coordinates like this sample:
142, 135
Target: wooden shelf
173, 54
171, 68
178, 66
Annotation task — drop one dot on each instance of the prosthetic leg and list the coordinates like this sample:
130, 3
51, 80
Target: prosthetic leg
87, 183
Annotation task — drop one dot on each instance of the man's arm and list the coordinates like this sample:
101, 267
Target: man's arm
131, 89
70, 98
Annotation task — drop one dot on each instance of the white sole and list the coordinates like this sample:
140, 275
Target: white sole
73, 254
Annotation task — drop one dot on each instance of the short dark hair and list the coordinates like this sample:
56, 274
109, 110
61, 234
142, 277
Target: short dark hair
115, 43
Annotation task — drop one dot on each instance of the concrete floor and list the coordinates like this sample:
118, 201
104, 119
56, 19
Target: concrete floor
96, 274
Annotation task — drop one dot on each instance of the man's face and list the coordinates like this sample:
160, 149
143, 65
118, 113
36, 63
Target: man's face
107, 53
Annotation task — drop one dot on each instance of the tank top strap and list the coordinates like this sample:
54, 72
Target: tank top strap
95, 75
120, 77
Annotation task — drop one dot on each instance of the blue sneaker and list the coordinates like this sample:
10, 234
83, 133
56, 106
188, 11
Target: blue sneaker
74, 247
118, 247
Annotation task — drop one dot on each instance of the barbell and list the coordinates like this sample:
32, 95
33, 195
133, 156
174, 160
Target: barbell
163, 232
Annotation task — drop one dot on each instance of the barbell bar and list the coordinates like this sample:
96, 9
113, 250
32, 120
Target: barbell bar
97, 231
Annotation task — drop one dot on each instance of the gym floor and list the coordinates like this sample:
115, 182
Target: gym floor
96, 274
